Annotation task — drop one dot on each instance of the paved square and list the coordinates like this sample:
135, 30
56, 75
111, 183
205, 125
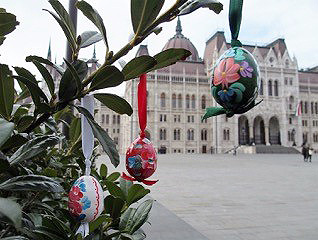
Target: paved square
241, 197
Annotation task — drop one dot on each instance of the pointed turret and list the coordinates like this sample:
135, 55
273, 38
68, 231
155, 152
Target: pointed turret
179, 28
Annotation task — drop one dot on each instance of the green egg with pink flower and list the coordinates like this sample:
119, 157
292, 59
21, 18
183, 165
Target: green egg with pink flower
235, 81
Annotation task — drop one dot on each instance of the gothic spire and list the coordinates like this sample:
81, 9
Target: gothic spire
94, 53
178, 28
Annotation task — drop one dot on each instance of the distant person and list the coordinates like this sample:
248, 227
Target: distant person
305, 152
310, 152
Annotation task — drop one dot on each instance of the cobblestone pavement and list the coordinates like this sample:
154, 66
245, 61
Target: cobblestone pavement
241, 197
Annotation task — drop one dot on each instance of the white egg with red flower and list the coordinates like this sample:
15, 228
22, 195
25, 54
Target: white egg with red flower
86, 199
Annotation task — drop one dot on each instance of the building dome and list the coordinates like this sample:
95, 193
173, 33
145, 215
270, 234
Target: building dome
180, 41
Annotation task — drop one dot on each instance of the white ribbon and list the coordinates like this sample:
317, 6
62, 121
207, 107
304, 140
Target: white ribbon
87, 133
83, 229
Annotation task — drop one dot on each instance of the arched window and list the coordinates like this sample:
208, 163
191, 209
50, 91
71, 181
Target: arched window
179, 101
103, 118
270, 90
190, 134
163, 100
316, 108
261, 87
312, 108
226, 134
114, 119
203, 102
193, 101
118, 119
306, 108
176, 134
204, 135
291, 103
174, 101
163, 134
187, 101
276, 88
107, 119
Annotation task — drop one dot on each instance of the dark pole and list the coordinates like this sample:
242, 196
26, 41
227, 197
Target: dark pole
72, 11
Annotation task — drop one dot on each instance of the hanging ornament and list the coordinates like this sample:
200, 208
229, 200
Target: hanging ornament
235, 76
86, 197
141, 156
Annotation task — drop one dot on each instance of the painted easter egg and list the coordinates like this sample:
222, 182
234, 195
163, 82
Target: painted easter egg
86, 199
235, 80
141, 159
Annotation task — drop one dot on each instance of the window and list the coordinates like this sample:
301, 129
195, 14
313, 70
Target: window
290, 81
316, 108
118, 130
192, 118
306, 108
203, 102
118, 119
103, 118
114, 119
291, 102
204, 135
163, 134
276, 88
193, 101
176, 134
114, 130
287, 63
290, 121
189, 119
116, 140
286, 80
162, 100
270, 93
312, 108
190, 134
261, 87
226, 134
174, 101
187, 101
107, 119
179, 101
163, 117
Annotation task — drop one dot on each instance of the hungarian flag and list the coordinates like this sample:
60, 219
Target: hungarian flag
299, 109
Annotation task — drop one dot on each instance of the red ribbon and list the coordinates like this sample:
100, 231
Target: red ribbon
142, 104
147, 182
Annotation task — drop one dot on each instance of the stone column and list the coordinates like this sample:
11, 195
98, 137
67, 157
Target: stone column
267, 135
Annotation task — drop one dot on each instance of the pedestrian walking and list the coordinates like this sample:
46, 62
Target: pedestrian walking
310, 152
305, 152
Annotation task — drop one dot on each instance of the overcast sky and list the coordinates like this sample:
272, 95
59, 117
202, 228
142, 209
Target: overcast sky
263, 21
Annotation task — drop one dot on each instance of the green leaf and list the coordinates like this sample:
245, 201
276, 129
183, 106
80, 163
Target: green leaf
15, 238
15, 141
63, 14
103, 170
169, 57
7, 23
239, 95
94, 17
6, 129
125, 185
113, 177
126, 219
191, 6
33, 148
213, 111
6, 91
75, 129
11, 210
68, 34
135, 193
99, 222
138, 66
24, 122
90, 37
32, 58
2, 38
143, 13
141, 215
108, 76
46, 76
239, 86
48, 233
115, 103
114, 190
107, 143
71, 80
31, 183
113, 206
